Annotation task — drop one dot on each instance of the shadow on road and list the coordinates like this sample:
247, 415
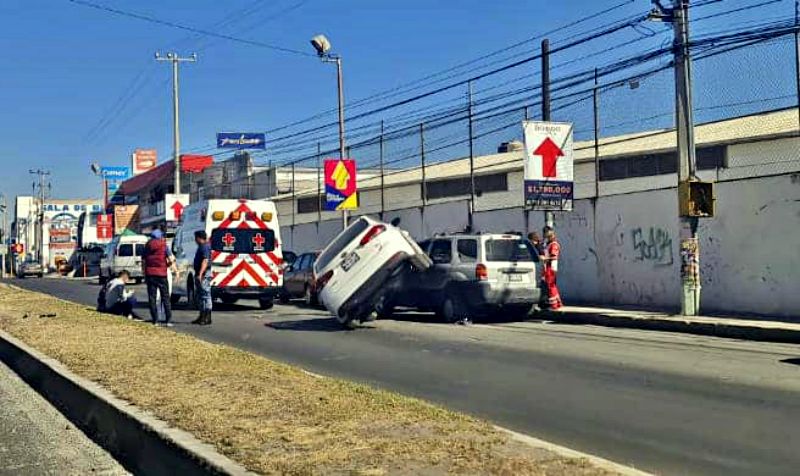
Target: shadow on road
323, 324
793, 361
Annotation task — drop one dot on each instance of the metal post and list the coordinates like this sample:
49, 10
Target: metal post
548, 215
319, 183
687, 165
341, 122
470, 218
383, 173
797, 55
4, 242
596, 105
176, 133
422, 162
294, 203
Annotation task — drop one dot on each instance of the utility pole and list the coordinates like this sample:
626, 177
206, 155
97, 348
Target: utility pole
4, 242
548, 215
596, 108
695, 198
471, 218
383, 174
176, 133
797, 55
39, 231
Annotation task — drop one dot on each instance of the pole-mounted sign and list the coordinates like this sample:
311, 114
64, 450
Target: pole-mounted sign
548, 165
241, 140
341, 191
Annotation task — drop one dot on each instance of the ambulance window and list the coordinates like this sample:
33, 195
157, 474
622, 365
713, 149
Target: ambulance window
236, 240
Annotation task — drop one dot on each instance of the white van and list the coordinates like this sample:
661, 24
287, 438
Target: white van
123, 253
246, 250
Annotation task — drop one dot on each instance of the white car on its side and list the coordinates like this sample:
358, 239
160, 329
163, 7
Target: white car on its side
352, 270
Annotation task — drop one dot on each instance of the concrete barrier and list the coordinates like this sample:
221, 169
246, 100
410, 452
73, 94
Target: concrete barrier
141, 443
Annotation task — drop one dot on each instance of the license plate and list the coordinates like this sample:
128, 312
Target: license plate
515, 277
350, 261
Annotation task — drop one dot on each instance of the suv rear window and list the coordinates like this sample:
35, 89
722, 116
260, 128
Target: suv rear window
507, 249
125, 250
242, 240
339, 243
139, 249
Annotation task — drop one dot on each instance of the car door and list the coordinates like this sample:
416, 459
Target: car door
293, 281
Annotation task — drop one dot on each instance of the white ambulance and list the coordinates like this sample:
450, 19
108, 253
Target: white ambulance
246, 250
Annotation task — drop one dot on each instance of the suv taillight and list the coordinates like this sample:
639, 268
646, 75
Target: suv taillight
481, 273
372, 233
321, 281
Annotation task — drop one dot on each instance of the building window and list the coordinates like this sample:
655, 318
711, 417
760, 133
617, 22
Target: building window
309, 204
658, 164
461, 186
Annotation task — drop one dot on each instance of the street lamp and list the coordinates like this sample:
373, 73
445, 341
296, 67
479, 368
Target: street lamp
323, 47
98, 171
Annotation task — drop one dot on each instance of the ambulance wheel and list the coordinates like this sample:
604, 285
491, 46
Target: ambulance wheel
266, 304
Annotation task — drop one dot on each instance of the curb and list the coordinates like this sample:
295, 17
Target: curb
142, 443
597, 461
742, 332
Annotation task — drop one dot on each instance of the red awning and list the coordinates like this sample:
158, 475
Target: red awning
152, 176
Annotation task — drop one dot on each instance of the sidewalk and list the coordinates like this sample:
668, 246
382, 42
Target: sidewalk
730, 327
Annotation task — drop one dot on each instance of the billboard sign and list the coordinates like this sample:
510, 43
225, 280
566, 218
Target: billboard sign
115, 173
241, 140
143, 160
341, 191
105, 227
548, 165
125, 216
174, 203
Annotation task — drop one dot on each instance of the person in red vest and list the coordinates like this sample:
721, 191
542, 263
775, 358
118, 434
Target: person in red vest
552, 254
157, 261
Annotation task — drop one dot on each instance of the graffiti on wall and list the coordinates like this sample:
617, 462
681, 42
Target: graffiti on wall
653, 245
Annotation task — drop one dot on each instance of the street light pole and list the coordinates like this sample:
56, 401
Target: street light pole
176, 133
323, 47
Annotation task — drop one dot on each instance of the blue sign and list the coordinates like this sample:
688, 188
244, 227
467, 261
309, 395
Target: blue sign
115, 173
113, 186
241, 140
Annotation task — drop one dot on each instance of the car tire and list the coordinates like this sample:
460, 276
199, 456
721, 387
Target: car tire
40, 275
266, 304
384, 308
451, 311
309, 300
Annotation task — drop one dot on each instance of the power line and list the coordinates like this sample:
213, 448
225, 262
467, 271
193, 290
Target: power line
179, 26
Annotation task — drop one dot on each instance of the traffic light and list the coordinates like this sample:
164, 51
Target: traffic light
696, 199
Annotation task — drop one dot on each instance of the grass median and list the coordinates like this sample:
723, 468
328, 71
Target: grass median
268, 416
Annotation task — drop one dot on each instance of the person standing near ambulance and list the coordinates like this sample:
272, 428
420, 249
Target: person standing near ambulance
157, 261
202, 272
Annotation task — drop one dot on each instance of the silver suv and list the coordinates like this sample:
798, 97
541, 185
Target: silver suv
472, 275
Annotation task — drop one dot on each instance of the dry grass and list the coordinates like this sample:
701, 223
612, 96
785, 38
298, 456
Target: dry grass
270, 417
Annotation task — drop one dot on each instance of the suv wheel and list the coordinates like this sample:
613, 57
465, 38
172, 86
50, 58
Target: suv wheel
309, 299
384, 308
451, 310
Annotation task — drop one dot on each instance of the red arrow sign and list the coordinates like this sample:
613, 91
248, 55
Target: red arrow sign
177, 208
550, 153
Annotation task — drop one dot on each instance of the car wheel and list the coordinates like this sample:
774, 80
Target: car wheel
266, 304
451, 311
40, 275
384, 308
308, 297
191, 295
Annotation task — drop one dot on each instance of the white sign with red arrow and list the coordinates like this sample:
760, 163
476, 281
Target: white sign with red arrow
174, 203
548, 165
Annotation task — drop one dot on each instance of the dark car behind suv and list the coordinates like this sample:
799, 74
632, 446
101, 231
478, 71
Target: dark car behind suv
298, 280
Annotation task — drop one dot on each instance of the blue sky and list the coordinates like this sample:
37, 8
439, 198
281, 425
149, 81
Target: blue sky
65, 67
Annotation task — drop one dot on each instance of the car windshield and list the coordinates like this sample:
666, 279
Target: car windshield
242, 240
341, 242
507, 249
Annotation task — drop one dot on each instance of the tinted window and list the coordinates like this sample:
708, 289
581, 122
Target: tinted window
305, 262
139, 249
507, 249
341, 242
467, 250
242, 240
441, 251
125, 250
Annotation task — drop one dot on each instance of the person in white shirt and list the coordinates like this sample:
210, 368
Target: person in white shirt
119, 300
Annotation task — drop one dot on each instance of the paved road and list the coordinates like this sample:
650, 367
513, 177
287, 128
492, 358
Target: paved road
670, 403
35, 439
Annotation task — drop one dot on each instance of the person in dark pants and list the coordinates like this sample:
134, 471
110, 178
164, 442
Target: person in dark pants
202, 273
118, 300
156, 263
